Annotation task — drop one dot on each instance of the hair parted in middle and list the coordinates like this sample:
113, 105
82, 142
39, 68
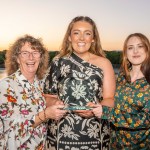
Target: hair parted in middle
145, 67
95, 48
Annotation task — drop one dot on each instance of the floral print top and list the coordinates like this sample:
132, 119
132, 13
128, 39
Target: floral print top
76, 82
131, 115
20, 101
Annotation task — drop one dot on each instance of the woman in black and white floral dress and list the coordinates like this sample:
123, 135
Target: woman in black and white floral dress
80, 76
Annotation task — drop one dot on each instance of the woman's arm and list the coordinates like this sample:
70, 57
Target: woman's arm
52, 112
109, 84
18, 120
52, 100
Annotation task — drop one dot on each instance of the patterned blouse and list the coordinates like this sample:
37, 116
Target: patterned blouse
131, 115
20, 101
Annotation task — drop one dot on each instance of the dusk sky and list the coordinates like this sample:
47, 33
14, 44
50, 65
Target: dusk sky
48, 19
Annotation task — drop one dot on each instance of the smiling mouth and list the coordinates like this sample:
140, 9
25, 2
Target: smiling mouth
136, 56
81, 44
30, 64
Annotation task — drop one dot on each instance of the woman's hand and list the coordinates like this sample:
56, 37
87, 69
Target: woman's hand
55, 112
86, 113
97, 110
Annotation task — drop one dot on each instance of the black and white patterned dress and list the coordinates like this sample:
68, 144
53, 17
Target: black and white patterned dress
76, 82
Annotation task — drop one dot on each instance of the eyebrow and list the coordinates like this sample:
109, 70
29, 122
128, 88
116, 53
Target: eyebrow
80, 30
136, 44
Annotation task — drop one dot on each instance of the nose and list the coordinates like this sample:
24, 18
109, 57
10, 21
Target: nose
81, 36
31, 56
135, 49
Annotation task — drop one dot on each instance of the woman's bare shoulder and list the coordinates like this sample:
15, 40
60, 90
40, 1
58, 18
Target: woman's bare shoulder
100, 62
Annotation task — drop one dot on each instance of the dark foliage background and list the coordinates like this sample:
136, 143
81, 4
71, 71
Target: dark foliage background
113, 56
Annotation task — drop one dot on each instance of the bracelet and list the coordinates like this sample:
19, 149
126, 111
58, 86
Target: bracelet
45, 117
40, 118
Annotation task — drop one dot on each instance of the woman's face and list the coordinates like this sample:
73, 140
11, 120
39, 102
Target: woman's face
81, 37
136, 53
28, 60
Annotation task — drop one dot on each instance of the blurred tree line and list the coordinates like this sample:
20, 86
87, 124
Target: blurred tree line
2, 58
113, 56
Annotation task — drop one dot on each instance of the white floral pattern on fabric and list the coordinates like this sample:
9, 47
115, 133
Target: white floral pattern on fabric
20, 101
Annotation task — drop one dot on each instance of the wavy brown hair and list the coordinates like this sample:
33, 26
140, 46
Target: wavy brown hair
95, 48
11, 63
145, 67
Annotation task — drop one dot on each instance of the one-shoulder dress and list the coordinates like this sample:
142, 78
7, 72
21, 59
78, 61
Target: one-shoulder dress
76, 82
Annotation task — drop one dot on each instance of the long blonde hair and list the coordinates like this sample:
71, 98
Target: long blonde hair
95, 48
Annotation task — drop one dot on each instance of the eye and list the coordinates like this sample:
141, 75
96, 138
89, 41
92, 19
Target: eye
24, 53
130, 48
88, 33
141, 46
76, 33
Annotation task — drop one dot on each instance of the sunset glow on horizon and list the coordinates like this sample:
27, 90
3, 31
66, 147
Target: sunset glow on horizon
49, 20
